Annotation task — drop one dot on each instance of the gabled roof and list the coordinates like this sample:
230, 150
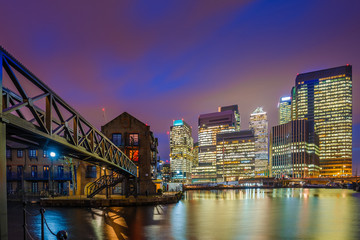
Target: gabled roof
123, 115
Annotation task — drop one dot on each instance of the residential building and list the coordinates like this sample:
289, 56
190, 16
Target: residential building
36, 172
235, 158
135, 139
324, 98
259, 124
284, 110
181, 151
294, 150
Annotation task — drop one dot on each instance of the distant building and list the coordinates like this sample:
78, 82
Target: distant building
235, 110
209, 126
294, 150
284, 110
259, 124
196, 155
135, 139
324, 98
181, 151
235, 157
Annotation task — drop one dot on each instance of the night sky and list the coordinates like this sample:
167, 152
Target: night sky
166, 60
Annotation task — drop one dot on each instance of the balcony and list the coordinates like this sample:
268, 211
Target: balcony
13, 176
66, 176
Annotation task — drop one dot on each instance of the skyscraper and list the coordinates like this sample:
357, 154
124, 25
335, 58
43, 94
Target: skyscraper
324, 98
209, 126
259, 124
284, 110
235, 155
294, 150
181, 154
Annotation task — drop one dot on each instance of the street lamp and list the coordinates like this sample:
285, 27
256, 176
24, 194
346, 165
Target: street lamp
52, 155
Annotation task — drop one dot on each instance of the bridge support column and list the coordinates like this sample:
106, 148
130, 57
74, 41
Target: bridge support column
3, 193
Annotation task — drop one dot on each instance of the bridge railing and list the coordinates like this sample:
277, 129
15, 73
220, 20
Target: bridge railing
48, 118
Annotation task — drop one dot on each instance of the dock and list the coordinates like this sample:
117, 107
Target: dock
113, 201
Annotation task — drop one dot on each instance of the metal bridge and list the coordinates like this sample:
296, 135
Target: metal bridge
33, 114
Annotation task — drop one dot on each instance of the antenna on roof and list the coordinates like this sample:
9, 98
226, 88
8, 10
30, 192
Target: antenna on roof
104, 115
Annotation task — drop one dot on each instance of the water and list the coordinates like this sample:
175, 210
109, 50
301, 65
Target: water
227, 214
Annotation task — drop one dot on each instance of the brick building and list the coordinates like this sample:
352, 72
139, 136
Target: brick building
33, 172
136, 140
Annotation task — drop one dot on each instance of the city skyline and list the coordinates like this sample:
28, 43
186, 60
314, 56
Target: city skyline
183, 76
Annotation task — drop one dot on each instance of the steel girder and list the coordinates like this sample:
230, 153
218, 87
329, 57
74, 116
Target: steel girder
50, 122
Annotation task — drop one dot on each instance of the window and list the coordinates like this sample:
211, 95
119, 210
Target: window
60, 171
19, 153
46, 186
8, 153
90, 172
116, 139
34, 187
34, 171
134, 155
133, 139
46, 171
8, 171
19, 171
32, 153
46, 154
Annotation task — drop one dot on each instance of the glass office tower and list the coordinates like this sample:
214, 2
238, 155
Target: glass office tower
324, 98
181, 154
235, 155
284, 110
294, 150
259, 124
210, 125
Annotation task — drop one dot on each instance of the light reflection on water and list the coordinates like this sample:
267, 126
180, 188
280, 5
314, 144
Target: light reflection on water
226, 214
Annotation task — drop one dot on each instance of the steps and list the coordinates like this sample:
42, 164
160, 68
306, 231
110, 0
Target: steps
101, 183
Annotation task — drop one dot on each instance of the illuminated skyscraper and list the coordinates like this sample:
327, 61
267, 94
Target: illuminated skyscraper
284, 110
324, 98
294, 150
181, 150
259, 124
209, 126
235, 155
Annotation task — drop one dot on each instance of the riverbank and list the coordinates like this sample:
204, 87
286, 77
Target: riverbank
113, 201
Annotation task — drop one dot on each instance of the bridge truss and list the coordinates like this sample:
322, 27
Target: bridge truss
33, 114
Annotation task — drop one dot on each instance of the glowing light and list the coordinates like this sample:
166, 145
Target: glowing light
103, 109
285, 98
178, 122
52, 154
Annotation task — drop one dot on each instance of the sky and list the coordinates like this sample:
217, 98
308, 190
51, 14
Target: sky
167, 60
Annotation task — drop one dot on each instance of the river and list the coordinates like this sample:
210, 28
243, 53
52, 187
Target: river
217, 214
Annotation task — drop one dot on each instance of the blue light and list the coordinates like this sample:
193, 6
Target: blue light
178, 123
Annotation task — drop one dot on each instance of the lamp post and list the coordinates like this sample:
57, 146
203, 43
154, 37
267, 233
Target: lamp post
51, 178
